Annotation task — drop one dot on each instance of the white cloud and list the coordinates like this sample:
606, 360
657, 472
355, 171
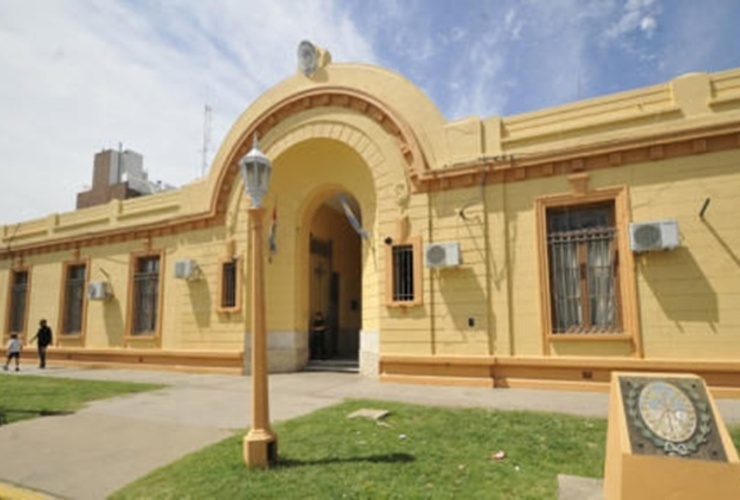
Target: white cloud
638, 15
477, 91
648, 25
513, 24
84, 75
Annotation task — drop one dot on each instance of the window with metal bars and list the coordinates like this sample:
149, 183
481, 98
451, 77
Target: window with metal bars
74, 299
583, 266
403, 273
146, 296
18, 297
229, 284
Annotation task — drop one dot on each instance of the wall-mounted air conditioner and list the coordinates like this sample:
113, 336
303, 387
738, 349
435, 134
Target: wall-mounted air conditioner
186, 269
445, 254
99, 290
655, 235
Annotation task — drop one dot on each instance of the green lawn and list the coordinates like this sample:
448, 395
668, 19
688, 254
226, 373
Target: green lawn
23, 397
417, 452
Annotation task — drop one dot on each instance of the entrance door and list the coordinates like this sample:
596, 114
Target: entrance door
321, 280
335, 279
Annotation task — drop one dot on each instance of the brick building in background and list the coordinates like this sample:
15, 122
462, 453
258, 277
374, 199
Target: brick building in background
117, 175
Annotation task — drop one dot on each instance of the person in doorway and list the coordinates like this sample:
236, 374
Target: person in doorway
318, 336
43, 340
14, 351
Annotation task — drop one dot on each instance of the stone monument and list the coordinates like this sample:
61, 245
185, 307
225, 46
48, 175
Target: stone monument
666, 439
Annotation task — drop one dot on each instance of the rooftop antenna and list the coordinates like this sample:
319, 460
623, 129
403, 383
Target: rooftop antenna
206, 138
119, 156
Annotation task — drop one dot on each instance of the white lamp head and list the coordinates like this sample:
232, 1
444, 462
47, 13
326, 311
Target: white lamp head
256, 170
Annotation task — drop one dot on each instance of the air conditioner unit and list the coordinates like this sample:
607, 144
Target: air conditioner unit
186, 269
99, 290
656, 235
442, 254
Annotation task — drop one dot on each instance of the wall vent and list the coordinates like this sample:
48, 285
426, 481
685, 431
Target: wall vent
655, 235
442, 254
99, 290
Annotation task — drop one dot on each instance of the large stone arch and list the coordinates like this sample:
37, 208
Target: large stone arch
350, 100
375, 152
384, 180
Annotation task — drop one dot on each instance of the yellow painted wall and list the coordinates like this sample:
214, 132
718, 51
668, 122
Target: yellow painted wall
689, 296
106, 320
686, 296
192, 306
461, 294
44, 291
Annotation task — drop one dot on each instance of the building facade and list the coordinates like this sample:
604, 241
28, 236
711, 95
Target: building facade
505, 251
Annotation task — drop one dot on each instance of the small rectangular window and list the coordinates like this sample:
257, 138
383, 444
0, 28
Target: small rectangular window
74, 299
228, 284
18, 299
403, 273
146, 296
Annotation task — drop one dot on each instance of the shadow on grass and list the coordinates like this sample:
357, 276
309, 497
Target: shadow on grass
6, 412
388, 458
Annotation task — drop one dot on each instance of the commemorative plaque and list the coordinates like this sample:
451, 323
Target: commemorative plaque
666, 439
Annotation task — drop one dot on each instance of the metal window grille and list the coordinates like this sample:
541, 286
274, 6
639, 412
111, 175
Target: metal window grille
146, 296
74, 296
18, 294
583, 262
403, 273
228, 284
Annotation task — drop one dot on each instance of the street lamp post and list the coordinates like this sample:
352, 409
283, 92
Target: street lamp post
260, 443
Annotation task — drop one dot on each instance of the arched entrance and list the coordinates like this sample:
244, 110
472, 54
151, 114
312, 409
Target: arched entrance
322, 263
335, 278
358, 130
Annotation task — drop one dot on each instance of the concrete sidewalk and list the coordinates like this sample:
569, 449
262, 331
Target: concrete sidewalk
110, 443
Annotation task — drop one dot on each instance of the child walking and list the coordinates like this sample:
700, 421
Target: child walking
14, 351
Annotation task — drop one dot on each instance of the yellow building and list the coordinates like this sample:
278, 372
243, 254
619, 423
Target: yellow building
505, 251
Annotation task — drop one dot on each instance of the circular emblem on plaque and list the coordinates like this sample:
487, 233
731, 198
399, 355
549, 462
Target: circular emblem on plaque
670, 416
667, 412
308, 58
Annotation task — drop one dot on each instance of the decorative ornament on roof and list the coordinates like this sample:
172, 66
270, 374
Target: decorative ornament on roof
311, 58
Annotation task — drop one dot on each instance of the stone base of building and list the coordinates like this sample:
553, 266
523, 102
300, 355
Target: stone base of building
559, 373
286, 352
153, 359
369, 353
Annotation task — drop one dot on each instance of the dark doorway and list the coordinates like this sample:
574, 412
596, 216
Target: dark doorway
335, 282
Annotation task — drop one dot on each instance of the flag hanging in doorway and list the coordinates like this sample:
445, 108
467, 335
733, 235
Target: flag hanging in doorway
273, 230
352, 218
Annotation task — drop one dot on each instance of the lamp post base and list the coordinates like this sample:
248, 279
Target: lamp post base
260, 449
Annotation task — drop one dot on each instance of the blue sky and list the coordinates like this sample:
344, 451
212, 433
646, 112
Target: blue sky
79, 76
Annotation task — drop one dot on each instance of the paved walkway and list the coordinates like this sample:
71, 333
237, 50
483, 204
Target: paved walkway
96, 451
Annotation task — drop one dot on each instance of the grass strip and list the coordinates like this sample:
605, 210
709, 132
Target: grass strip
415, 452
28, 397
